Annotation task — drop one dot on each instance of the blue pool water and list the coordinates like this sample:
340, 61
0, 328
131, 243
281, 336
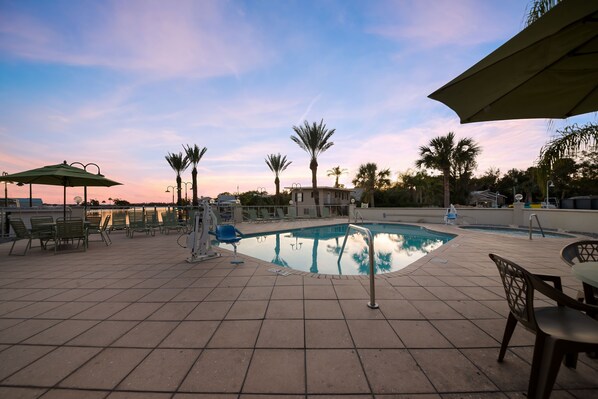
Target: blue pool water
316, 249
515, 232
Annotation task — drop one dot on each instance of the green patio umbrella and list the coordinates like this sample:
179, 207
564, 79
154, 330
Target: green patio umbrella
60, 175
548, 70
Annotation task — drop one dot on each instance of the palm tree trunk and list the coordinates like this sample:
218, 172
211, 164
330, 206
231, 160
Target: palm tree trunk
277, 184
447, 188
194, 188
178, 190
314, 184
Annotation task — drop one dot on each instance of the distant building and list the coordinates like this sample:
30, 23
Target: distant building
486, 199
336, 200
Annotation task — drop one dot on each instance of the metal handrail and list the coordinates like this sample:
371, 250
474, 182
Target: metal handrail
539, 225
372, 304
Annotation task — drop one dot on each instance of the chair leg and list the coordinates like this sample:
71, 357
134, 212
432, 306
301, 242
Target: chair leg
26, 247
551, 362
509, 328
536, 365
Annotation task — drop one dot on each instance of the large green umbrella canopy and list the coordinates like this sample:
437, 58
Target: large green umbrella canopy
548, 70
60, 175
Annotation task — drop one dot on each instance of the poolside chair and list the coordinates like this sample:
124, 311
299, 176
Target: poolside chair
119, 222
252, 215
325, 212
562, 330
70, 230
281, 215
151, 220
229, 234
170, 222
312, 213
266, 215
21, 233
581, 252
102, 230
42, 227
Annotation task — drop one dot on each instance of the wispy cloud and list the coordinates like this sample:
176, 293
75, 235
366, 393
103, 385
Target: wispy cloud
193, 39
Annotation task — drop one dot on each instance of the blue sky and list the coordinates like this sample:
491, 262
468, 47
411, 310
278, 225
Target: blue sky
122, 83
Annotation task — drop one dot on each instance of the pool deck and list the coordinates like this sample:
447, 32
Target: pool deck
135, 320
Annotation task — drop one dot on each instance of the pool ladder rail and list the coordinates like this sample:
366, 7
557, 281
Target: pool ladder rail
533, 215
370, 238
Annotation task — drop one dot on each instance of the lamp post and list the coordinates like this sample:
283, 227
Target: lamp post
186, 183
5, 189
549, 184
167, 190
85, 187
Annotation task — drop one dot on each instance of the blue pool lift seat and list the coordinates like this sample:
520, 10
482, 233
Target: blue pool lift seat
229, 234
451, 215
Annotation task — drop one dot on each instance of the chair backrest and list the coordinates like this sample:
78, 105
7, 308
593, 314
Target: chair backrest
19, 227
280, 213
136, 218
519, 290
119, 219
265, 213
580, 251
36, 220
292, 212
105, 224
94, 221
69, 228
168, 218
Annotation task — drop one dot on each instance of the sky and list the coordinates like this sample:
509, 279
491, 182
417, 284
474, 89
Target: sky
123, 83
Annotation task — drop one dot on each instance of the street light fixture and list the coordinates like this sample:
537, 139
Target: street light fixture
85, 187
167, 190
549, 184
5, 189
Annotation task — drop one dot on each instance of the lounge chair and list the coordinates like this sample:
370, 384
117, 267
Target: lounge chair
119, 221
229, 234
266, 215
170, 222
252, 215
21, 233
562, 330
281, 214
137, 223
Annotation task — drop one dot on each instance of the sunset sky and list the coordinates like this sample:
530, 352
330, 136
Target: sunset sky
123, 83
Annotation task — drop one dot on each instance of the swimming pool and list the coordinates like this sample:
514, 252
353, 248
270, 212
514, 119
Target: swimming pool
316, 249
511, 231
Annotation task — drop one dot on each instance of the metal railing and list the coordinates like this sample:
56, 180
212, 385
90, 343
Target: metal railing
533, 215
372, 304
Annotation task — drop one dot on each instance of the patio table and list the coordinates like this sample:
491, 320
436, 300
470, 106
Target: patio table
587, 272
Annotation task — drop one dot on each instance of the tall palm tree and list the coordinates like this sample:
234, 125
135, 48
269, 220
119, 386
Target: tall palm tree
194, 155
178, 163
277, 164
313, 139
444, 155
537, 8
369, 178
336, 172
438, 155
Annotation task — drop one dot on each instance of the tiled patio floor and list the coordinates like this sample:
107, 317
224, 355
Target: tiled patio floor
134, 320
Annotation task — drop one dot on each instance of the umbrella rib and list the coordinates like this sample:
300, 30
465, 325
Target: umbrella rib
570, 112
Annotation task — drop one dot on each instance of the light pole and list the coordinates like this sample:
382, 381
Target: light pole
5, 189
186, 183
167, 190
85, 187
549, 184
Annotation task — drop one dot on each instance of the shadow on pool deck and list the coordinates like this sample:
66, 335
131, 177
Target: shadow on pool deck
135, 320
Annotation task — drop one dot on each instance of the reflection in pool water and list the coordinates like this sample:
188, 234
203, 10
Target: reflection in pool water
316, 249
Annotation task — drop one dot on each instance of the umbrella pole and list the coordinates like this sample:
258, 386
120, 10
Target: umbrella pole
64, 204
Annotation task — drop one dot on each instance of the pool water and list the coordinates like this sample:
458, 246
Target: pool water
510, 231
316, 249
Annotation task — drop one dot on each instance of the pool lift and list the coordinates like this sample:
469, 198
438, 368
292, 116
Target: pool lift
199, 239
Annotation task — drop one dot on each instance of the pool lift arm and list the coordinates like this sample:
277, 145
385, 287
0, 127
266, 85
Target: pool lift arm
199, 239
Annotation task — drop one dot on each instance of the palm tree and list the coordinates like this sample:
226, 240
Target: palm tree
336, 172
571, 141
194, 155
313, 139
178, 163
443, 154
537, 8
277, 164
369, 178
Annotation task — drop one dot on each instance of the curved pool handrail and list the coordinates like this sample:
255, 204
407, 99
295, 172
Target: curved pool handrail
372, 304
539, 225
